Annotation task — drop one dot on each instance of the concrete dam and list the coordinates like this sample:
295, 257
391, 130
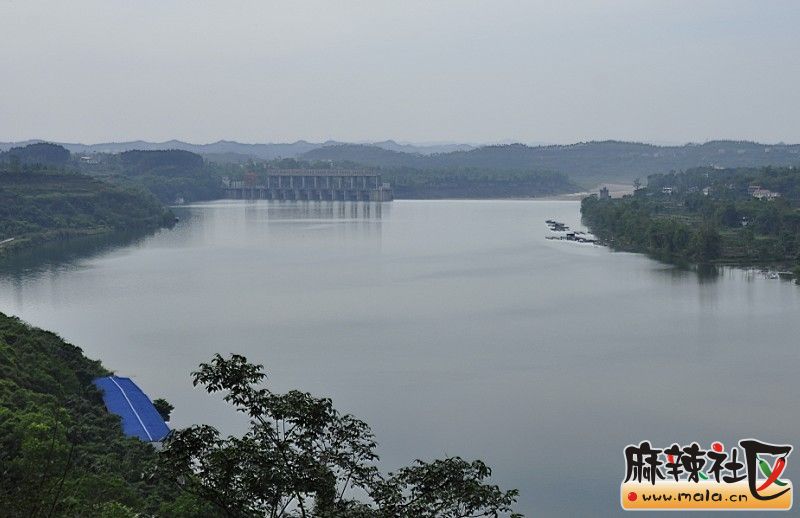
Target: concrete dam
311, 184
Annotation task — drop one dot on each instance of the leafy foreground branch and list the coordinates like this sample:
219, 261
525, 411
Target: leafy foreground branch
301, 457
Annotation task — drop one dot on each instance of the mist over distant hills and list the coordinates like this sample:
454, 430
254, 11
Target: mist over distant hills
227, 148
586, 163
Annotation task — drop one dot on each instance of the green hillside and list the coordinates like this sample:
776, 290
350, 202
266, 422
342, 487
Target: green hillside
741, 216
38, 205
171, 175
61, 452
586, 163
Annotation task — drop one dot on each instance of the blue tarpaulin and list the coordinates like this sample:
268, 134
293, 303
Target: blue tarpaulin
139, 417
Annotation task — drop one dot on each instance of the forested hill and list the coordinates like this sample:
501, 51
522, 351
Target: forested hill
63, 454
735, 216
41, 153
476, 183
585, 163
38, 205
171, 174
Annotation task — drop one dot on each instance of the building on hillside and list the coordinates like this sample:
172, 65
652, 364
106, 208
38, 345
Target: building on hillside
604, 195
765, 194
139, 417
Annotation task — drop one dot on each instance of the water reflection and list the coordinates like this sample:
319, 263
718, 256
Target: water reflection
318, 210
66, 254
339, 223
543, 358
708, 273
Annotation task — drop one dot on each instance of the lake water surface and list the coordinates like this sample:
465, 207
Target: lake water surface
452, 327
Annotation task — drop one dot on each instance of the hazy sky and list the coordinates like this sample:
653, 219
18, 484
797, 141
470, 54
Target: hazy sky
262, 71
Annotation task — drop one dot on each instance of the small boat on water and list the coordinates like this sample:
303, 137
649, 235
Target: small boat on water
563, 233
556, 226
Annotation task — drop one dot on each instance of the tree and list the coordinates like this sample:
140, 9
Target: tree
301, 457
163, 407
728, 216
707, 243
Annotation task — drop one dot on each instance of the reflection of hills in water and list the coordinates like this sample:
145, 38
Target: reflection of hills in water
64, 254
348, 217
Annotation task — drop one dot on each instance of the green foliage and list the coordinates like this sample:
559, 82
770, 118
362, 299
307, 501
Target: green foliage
301, 457
167, 174
706, 243
61, 453
587, 163
476, 183
726, 224
38, 205
450, 488
163, 407
166, 163
43, 154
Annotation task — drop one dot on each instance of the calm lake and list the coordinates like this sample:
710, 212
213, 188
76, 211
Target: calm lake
452, 327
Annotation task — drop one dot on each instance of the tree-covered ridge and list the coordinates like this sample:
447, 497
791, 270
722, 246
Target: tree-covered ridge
41, 153
586, 163
168, 162
477, 183
61, 452
738, 216
171, 175
38, 205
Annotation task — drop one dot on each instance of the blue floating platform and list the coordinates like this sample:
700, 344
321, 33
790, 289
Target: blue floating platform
139, 417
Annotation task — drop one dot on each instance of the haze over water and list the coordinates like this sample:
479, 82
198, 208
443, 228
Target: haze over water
452, 327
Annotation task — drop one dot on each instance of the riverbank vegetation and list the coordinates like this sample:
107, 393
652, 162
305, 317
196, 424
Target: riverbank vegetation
63, 454
476, 183
741, 216
39, 203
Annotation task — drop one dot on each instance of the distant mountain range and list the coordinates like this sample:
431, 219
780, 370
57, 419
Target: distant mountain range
229, 149
587, 163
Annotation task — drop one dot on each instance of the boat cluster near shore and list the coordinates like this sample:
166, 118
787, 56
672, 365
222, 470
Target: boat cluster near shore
562, 232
